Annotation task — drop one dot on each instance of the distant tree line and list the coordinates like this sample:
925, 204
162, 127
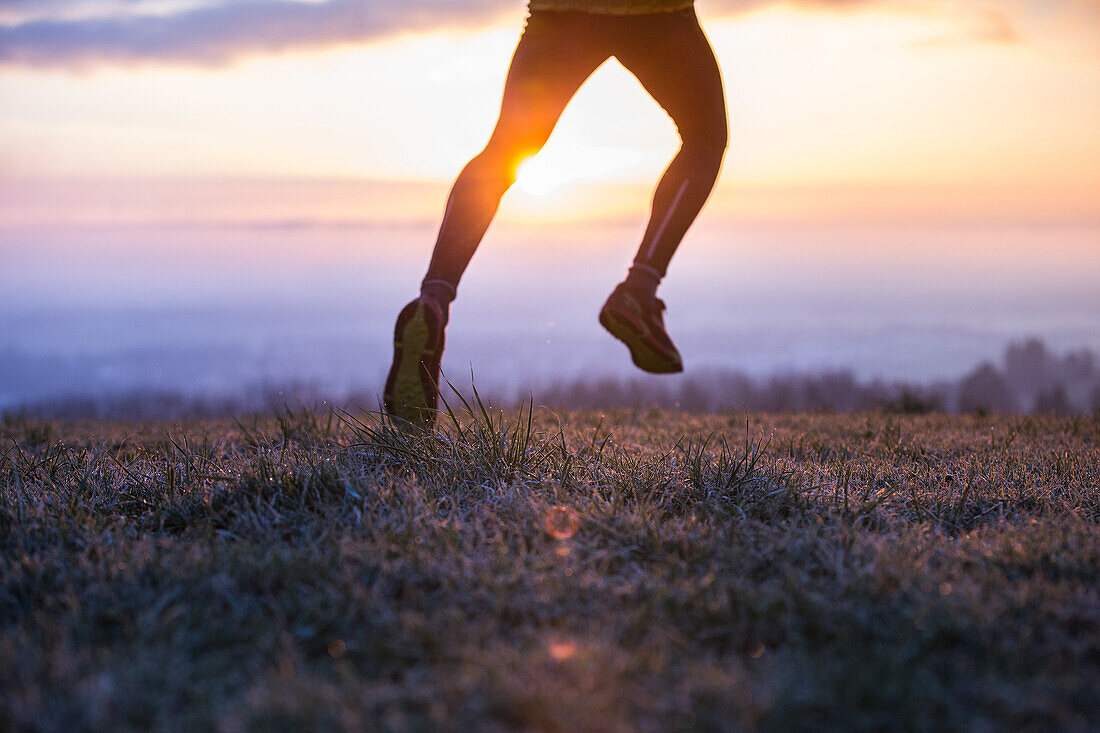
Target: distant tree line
1028, 378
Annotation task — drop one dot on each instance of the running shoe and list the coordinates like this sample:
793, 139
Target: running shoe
637, 321
412, 387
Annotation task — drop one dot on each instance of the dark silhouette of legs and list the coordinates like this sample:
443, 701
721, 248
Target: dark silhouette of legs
671, 57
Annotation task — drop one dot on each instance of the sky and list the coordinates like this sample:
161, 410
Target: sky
910, 186
920, 109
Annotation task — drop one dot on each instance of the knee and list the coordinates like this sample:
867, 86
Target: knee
705, 151
706, 143
499, 162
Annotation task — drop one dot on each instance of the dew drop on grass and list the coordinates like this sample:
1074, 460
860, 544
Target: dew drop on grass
561, 522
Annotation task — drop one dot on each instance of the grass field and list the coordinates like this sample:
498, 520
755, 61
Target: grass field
631, 570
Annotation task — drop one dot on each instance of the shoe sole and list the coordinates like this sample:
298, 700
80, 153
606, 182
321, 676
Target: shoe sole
411, 387
642, 354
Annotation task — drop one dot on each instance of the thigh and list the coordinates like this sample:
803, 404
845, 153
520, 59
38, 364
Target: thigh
556, 54
672, 58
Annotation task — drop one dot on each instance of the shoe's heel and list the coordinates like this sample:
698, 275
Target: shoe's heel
412, 387
643, 340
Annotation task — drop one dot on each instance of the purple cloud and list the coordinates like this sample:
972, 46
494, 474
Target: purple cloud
81, 33
219, 33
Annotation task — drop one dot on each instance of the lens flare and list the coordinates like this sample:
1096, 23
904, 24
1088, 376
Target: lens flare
562, 650
561, 522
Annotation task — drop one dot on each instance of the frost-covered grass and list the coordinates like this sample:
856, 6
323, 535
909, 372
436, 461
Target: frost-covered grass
551, 571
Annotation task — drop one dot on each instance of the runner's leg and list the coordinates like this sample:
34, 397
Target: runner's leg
671, 57
556, 54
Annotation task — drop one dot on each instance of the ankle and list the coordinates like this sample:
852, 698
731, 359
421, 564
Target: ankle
441, 293
643, 280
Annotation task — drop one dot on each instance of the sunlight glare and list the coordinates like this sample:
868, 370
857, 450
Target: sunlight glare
558, 165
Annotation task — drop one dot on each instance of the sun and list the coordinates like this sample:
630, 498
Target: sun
534, 176
559, 165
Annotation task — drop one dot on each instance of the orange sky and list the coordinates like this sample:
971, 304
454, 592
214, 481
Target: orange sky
912, 108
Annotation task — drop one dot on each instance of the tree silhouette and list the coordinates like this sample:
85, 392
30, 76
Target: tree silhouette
985, 390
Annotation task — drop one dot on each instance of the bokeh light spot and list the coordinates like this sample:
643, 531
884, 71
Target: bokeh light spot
562, 650
561, 522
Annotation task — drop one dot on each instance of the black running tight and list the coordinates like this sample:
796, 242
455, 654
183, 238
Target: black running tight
558, 51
